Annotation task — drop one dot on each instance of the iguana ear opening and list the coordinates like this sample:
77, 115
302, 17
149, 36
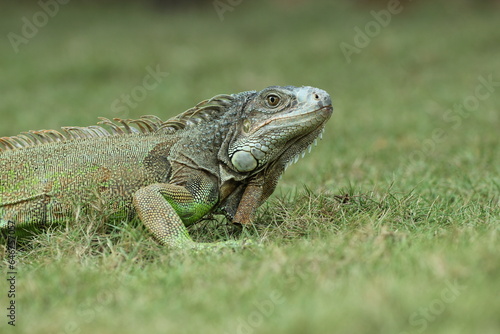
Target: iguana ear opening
244, 161
246, 126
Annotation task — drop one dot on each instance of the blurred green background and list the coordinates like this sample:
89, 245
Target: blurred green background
415, 86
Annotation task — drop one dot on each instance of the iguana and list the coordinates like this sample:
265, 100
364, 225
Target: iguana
223, 156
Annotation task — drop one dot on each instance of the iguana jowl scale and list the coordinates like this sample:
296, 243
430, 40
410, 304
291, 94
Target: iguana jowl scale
225, 155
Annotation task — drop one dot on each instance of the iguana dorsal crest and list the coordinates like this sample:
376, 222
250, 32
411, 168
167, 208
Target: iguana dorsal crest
202, 112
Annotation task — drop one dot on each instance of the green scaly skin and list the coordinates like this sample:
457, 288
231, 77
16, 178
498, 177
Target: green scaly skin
224, 156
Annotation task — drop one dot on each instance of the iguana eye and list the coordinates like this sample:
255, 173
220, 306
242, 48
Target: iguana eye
273, 100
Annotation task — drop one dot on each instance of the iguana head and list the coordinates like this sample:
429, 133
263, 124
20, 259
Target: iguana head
277, 124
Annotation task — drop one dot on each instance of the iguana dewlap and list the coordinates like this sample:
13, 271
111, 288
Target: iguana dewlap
225, 155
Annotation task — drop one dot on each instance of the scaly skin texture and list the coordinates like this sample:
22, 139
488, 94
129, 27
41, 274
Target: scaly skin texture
225, 155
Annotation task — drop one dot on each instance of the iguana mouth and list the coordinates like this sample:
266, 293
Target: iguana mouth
299, 118
313, 141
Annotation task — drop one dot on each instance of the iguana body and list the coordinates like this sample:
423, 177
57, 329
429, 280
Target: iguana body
225, 155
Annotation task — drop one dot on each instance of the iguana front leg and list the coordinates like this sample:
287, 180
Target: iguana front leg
256, 192
250, 201
166, 209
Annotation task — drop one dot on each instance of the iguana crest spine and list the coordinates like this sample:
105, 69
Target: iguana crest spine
204, 111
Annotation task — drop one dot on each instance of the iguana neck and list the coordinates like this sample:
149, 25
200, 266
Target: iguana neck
204, 145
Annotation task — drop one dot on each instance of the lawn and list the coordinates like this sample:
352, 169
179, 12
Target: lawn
389, 225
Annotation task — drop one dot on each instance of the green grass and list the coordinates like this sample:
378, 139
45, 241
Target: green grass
384, 228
